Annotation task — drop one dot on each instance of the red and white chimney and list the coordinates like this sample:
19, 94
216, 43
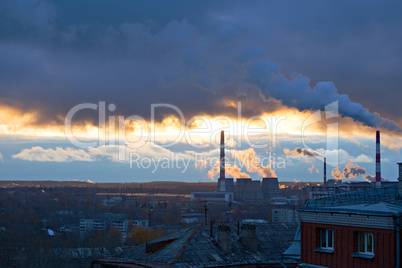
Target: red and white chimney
400, 178
325, 171
377, 160
221, 180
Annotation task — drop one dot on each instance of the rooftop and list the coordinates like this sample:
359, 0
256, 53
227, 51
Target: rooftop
194, 247
388, 193
379, 208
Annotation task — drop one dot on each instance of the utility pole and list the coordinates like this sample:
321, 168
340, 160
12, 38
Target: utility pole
205, 212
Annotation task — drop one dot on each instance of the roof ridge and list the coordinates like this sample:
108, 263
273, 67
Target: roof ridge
184, 245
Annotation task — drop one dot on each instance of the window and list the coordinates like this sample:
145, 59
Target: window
366, 242
327, 238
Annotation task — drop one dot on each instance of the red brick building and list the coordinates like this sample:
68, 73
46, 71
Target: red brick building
351, 229
362, 235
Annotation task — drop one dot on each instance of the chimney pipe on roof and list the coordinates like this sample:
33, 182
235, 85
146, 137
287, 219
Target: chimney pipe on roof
248, 233
377, 160
211, 230
225, 238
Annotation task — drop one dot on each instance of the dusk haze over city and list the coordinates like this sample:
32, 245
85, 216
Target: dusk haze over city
200, 133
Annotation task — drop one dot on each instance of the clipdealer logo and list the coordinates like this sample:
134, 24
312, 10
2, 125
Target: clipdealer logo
239, 130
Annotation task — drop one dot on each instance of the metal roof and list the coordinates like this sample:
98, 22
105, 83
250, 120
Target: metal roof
380, 208
389, 193
294, 251
194, 247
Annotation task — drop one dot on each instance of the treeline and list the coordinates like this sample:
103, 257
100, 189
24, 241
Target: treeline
146, 187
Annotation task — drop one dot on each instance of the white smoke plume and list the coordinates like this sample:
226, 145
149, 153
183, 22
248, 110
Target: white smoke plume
313, 169
297, 93
303, 152
252, 163
350, 171
231, 171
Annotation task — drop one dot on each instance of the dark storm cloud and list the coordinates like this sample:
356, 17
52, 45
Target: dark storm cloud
59, 54
355, 44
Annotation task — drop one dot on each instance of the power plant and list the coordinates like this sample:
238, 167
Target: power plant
331, 187
243, 190
247, 190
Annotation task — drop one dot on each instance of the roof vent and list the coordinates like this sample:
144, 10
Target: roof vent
153, 247
248, 234
225, 238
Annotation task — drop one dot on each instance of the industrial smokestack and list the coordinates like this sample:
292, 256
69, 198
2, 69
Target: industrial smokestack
222, 169
377, 160
221, 180
400, 178
325, 170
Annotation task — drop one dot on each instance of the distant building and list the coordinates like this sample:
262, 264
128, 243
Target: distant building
212, 196
288, 200
247, 190
124, 225
112, 200
284, 215
270, 188
239, 190
243, 190
89, 225
140, 223
254, 221
228, 185
252, 191
192, 218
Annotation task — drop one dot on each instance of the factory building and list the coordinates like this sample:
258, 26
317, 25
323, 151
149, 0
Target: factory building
270, 188
331, 187
229, 185
212, 196
239, 188
252, 191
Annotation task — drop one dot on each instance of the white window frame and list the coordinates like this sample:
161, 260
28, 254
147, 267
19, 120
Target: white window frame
326, 231
366, 243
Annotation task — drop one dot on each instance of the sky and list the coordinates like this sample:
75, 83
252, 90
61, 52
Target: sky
130, 91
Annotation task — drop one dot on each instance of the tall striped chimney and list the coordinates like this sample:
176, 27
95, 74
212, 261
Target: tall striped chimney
377, 160
325, 170
400, 179
222, 169
221, 181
